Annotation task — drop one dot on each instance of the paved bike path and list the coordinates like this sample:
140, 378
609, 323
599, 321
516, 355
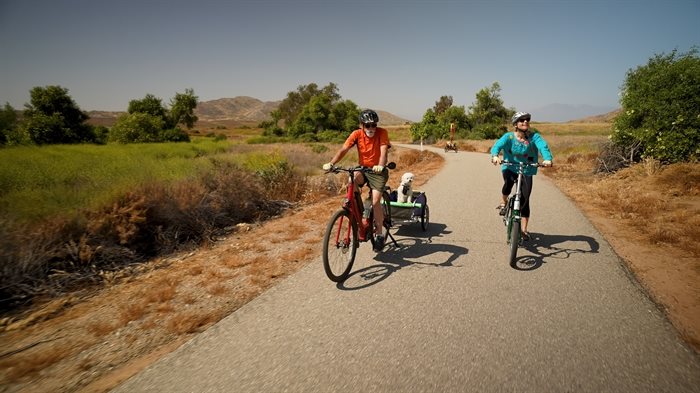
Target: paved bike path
445, 312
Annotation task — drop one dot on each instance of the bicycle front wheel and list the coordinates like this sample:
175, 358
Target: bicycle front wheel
514, 241
339, 246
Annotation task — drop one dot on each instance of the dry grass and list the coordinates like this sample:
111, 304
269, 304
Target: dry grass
191, 322
162, 291
656, 201
32, 362
101, 328
132, 311
217, 289
651, 215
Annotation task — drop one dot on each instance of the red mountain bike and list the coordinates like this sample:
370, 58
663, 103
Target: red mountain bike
346, 230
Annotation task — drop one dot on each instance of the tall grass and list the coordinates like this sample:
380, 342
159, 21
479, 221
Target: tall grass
70, 215
38, 182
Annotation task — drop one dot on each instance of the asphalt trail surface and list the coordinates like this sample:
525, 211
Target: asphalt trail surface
444, 312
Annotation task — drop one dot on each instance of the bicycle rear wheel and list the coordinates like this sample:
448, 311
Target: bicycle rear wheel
514, 242
339, 246
425, 218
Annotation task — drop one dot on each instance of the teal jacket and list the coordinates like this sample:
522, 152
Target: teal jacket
515, 151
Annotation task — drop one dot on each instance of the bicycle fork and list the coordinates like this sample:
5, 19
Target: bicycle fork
514, 214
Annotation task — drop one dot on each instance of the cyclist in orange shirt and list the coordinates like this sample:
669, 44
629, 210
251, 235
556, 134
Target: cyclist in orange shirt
372, 145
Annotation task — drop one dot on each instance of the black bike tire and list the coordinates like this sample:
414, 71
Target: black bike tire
514, 242
425, 218
329, 237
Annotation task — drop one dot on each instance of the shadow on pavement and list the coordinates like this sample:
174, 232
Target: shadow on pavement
545, 246
408, 253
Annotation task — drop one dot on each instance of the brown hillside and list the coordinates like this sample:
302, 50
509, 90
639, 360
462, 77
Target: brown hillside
245, 109
604, 118
237, 110
387, 119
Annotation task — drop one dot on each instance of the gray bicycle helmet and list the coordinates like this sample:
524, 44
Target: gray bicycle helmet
368, 116
520, 116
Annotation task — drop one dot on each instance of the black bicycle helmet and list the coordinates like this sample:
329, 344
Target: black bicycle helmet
520, 116
368, 116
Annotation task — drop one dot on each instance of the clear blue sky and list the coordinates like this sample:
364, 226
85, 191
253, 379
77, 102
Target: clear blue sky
394, 55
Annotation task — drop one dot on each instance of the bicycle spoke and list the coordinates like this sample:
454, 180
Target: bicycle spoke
339, 246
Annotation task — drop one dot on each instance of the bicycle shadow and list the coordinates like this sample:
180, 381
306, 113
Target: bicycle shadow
544, 246
407, 253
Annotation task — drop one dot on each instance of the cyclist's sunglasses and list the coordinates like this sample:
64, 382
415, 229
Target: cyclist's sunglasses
524, 120
370, 125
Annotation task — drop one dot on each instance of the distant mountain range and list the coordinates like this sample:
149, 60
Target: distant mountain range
249, 110
559, 113
241, 109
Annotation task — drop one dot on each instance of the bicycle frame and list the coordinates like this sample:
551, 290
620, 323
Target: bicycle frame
352, 203
512, 218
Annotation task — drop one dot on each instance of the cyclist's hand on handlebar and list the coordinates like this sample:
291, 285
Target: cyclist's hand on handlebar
495, 160
327, 166
546, 163
378, 168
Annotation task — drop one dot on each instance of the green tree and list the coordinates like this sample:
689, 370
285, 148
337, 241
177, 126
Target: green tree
8, 123
182, 108
442, 104
488, 108
53, 117
314, 116
155, 122
436, 121
150, 104
344, 116
310, 111
661, 109
295, 101
137, 127
426, 129
458, 115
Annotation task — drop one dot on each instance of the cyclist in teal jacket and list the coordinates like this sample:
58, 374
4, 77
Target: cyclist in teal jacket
520, 146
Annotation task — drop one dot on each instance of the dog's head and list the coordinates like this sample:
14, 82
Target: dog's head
407, 178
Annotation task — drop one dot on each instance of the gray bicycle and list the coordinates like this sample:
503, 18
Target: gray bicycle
512, 218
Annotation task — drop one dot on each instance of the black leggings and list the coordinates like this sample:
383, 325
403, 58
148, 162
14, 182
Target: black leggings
509, 180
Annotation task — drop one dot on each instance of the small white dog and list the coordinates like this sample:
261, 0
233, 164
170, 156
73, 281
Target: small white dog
404, 193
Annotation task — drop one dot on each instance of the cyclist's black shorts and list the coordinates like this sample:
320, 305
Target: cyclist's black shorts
509, 180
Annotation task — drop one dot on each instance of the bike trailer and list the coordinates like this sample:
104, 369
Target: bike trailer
409, 212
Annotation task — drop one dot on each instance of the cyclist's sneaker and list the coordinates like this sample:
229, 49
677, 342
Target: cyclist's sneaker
378, 242
526, 236
501, 210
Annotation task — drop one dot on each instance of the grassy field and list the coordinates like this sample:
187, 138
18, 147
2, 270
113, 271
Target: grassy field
37, 182
40, 181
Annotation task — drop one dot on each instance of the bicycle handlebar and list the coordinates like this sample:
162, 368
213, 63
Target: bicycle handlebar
363, 169
535, 164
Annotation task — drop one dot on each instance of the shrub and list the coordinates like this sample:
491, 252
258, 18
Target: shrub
318, 148
331, 136
57, 255
173, 135
487, 131
136, 128
661, 109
